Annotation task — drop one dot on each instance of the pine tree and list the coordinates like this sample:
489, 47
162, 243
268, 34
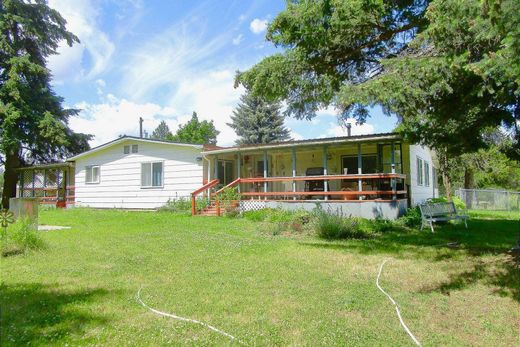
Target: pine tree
196, 132
257, 121
33, 123
162, 132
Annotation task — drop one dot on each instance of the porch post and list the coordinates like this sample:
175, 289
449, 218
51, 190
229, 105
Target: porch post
359, 169
293, 159
393, 180
215, 169
325, 171
33, 179
22, 184
265, 174
238, 169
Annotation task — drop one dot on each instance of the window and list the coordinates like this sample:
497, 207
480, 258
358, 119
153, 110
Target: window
92, 174
126, 149
419, 171
368, 164
134, 148
426, 174
152, 174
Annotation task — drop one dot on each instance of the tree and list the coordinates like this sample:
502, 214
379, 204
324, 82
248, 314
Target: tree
196, 132
258, 121
162, 132
33, 123
448, 69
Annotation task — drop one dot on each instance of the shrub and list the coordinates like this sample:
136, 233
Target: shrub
21, 237
335, 226
382, 225
183, 204
412, 218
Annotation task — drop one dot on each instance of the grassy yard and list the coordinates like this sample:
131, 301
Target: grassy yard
263, 289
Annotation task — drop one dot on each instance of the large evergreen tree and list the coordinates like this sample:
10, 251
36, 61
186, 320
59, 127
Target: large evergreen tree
33, 123
196, 132
162, 132
258, 121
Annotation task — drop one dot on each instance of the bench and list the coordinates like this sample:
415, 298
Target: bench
432, 212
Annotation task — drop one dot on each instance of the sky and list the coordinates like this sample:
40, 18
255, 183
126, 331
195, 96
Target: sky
162, 60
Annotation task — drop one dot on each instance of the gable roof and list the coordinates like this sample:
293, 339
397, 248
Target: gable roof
133, 138
308, 142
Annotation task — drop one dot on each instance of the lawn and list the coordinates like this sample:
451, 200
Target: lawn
263, 289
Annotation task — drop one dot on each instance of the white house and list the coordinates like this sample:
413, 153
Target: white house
376, 175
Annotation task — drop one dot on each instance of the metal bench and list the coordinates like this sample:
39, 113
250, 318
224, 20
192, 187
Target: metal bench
432, 212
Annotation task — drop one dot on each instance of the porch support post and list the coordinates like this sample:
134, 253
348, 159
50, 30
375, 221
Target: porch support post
393, 180
293, 160
238, 170
33, 179
22, 184
215, 169
359, 169
265, 173
325, 171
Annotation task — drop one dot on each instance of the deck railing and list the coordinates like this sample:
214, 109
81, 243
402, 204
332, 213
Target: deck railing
50, 195
258, 187
206, 187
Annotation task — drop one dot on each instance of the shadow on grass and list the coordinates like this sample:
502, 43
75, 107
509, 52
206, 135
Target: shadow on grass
451, 242
36, 314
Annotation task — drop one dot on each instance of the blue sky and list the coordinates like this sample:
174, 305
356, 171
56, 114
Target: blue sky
161, 60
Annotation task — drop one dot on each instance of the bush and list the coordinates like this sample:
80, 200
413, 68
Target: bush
283, 220
183, 204
21, 237
334, 226
412, 218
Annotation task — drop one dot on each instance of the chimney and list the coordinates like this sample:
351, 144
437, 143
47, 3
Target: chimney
140, 127
349, 129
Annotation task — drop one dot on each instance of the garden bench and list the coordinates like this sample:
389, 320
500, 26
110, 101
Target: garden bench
432, 212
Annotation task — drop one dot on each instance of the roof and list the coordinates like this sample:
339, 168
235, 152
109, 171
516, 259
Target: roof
308, 142
134, 138
46, 166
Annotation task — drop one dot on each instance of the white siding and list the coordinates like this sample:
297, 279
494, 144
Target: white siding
419, 193
120, 176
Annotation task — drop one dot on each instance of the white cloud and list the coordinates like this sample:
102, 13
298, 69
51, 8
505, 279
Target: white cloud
258, 26
238, 39
95, 47
295, 135
113, 117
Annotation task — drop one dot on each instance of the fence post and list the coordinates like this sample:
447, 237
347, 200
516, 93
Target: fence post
193, 210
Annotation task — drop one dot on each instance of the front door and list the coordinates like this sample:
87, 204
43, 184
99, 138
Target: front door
225, 172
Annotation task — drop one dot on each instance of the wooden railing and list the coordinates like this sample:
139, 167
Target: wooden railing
49, 195
205, 187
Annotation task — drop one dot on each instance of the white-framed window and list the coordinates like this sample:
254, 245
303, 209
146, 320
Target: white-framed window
92, 174
420, 175
152, 174
134, 148
126, 149
426, 174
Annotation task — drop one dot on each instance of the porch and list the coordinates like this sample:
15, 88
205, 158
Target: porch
51, 184
339, 170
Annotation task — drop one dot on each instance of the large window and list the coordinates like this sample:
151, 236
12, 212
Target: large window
152, 175
420, 175
426, 174
368, 164
92, 174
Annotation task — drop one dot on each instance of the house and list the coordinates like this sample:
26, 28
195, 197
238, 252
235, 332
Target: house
371, 176
129, 172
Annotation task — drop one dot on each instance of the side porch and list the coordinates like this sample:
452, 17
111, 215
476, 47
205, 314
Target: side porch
51, 184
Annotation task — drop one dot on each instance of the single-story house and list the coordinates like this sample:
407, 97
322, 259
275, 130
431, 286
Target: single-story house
376, 175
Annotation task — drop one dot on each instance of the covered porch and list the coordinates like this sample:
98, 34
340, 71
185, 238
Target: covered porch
51, 184
352, 169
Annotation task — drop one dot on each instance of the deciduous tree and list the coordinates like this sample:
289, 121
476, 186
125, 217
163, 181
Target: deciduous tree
196, 132
162, 132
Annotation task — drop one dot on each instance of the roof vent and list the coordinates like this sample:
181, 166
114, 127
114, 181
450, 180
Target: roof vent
349, 129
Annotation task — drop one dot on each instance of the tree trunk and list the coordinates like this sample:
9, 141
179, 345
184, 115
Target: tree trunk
445, 173
12, 161
469, 178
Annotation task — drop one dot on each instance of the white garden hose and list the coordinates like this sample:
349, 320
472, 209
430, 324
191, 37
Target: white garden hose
395, 304
188, 320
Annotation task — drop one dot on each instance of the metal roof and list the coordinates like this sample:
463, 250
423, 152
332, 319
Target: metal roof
308, 142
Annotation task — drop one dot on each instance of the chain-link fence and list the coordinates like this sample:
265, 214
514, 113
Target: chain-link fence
490, 199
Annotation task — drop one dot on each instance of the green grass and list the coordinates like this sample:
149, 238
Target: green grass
264, 289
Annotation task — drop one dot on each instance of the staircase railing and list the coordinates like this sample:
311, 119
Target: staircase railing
205, 187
